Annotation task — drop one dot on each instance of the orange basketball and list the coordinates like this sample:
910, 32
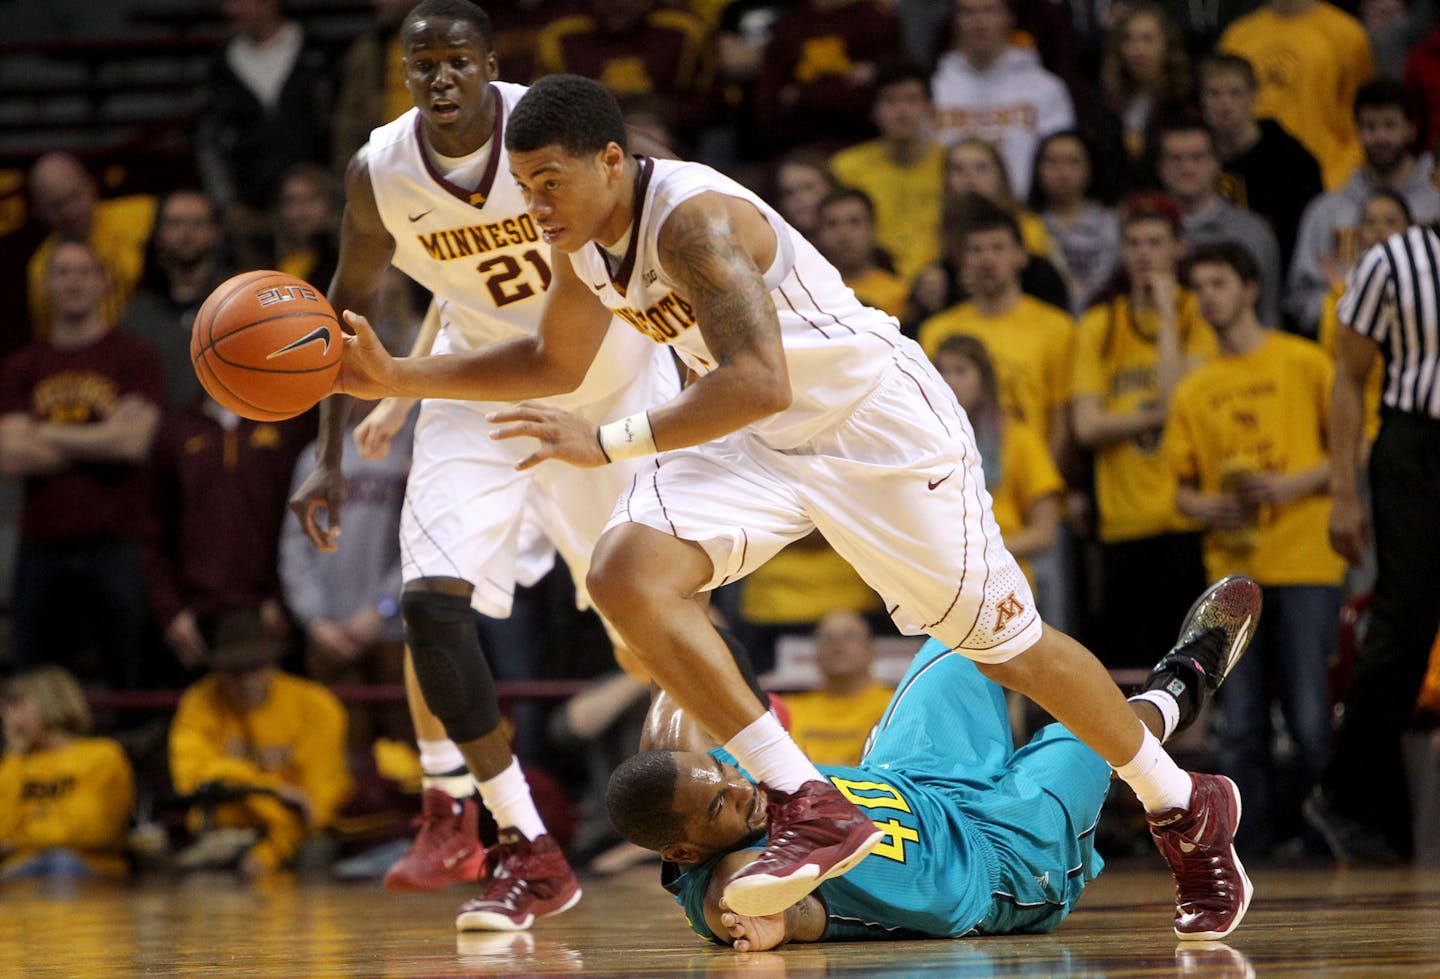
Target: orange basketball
266, 345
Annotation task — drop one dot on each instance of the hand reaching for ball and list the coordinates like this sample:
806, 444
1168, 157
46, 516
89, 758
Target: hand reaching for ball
366, 367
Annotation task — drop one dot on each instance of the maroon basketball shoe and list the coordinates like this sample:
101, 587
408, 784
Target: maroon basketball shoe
815, 834
529, 879
446, 851
1211, 889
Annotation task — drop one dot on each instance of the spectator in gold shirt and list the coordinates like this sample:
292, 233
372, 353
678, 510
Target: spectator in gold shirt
830, 724
67, 202
65, 799
1130, 353
1247, 440
846, 236
267, 747
902, 170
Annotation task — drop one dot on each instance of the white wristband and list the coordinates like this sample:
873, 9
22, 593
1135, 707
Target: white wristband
628, 438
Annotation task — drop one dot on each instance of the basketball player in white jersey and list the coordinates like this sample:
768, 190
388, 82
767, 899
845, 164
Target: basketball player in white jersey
810, 411
431, 194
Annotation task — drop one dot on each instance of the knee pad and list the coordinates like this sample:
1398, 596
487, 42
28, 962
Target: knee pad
453, 674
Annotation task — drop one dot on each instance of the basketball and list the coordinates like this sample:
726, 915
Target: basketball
266, 345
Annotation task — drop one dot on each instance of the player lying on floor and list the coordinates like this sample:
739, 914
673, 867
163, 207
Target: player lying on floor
980, 838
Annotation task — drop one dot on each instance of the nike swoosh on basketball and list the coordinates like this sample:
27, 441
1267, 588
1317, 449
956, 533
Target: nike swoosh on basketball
321, 333
936, 482
417, 217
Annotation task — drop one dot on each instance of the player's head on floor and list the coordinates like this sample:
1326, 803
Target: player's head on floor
449, 51
568, 153
686, 805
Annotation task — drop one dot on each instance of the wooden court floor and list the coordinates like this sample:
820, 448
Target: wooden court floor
1302, 923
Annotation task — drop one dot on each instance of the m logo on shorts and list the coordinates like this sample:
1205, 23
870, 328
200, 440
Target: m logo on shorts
1006, 611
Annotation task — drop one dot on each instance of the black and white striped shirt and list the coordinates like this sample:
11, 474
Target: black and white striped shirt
1393, 297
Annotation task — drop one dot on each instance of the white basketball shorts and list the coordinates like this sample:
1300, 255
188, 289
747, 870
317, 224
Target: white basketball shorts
897, 490
469, 514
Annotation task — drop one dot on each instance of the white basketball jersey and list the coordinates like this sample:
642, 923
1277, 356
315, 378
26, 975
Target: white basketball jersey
480, 253
836, 348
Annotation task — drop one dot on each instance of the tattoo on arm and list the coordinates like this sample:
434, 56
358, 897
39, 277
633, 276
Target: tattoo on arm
699, 249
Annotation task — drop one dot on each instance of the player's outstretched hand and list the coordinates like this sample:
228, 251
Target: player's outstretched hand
756, 934
365, 364
374, 435
562, 435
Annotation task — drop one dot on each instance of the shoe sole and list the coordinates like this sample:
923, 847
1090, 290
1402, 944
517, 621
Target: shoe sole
757, 895
1243, 634
1247, 890
495, 921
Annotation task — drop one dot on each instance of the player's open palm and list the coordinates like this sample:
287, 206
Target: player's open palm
755, 934
374, 435
561, 435
365, 364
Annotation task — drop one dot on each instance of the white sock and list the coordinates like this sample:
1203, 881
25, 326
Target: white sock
507, 796
768, 752
443, 768
1157, 780
1167, 705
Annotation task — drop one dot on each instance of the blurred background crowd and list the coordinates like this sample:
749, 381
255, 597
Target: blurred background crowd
1022, 184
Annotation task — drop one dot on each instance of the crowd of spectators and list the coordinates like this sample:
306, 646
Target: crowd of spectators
1053, 198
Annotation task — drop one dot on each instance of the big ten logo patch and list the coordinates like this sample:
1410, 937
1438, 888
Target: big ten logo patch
1010, 609
286, 294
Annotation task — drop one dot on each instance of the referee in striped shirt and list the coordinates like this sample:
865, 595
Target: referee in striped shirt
1391, 306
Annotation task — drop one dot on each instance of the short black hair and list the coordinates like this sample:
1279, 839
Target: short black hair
641, 800
576, 114
1230, 253
840, 194
1386, 93
974, 213
1182, 123
462, 10
1222, 61
894, 72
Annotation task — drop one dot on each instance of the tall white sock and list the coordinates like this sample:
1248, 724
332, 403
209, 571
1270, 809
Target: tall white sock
507, 796
1167, 705
767, 752
443, 768
1157, 780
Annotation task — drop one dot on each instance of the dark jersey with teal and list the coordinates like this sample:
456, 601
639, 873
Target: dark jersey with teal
933, 875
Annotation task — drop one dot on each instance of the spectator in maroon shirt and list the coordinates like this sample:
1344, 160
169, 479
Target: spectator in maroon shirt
219, 485
78, 412
817, 83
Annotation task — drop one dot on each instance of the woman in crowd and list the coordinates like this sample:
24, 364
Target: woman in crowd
65, 799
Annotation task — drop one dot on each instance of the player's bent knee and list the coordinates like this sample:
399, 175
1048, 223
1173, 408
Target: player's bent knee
445, 651
1018, 671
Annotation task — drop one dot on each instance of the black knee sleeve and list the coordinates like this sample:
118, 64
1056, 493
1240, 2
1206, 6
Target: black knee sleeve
458, 686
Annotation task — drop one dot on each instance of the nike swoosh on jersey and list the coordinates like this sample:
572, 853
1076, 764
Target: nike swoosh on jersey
936, 482
416, 217
321, 333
